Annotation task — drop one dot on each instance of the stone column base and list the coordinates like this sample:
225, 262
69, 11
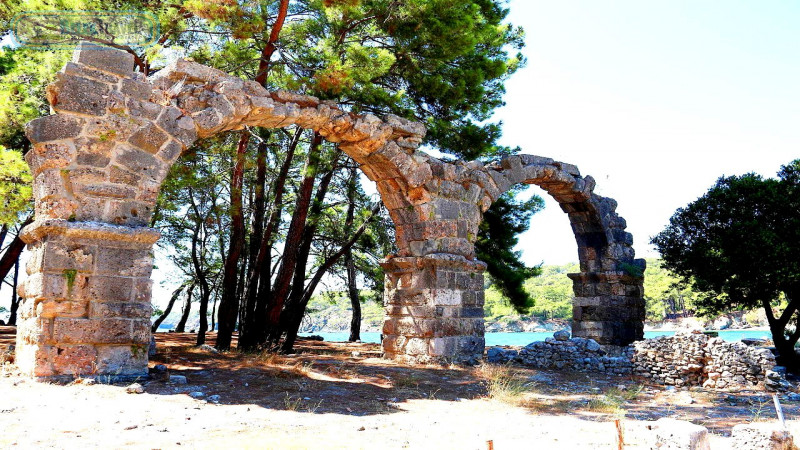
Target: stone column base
434, 309
608, 307
86, 302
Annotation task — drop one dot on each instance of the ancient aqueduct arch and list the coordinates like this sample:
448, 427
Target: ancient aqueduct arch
99, 160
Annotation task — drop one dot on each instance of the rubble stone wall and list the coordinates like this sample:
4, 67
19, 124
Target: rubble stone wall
562, 353
685, 359
102, 155
696, 359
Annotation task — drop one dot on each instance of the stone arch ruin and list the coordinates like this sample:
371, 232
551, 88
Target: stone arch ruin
99, 160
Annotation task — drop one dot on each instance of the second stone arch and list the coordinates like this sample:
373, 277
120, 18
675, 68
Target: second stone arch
434, 297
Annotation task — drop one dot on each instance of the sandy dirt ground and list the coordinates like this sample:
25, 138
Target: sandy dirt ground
335, 395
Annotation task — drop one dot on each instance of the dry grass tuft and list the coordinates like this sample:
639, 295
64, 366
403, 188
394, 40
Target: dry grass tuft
504, 384
614, 400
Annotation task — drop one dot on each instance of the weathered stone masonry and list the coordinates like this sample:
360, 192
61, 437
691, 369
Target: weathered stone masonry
99, 160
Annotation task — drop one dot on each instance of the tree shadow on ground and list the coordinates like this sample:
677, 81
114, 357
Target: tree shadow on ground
352, 379
342, 378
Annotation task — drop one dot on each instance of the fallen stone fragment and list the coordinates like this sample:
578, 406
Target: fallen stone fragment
177, 379
562, 335
208, 348
762, 436
672, 434
135, 388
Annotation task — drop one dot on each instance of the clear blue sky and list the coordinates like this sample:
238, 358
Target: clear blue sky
655, 99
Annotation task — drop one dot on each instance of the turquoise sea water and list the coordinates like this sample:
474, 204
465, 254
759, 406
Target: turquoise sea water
521, 339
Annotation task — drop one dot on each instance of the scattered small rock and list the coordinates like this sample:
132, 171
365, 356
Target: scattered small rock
499, 355
135, 388
7, 355
208, 348
561, 335
197, 394
754, 342
213, 398
177, 379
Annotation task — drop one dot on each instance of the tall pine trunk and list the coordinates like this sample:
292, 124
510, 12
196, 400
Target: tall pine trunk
294, 309
229, 303
257, 235
175, 294
187, 308
14, 249
12, 318
349, 262
253, 331
294, 238
293, 328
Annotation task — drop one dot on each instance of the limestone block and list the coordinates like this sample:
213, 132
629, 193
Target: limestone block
117, 174
106, 288
81, 70
53, 128
104, 190
418, 174
104, 58
446, 297
149, 138
44, 285
143, 108
50, 309
74, 359
49, 183
94, 152
139, 90
79, 95
92, 331
181, 127
138, 161
672, 434
189, 71
50, 155
35, 331
142, 290
208, 122
124, 360
60, 256
124, 262
442, 346
403, 127
93, 210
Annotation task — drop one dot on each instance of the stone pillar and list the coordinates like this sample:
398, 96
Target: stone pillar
608, 307
86, 302
434, 309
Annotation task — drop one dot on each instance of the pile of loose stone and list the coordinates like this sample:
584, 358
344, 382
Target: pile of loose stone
685, 359
694, 359
561, 352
